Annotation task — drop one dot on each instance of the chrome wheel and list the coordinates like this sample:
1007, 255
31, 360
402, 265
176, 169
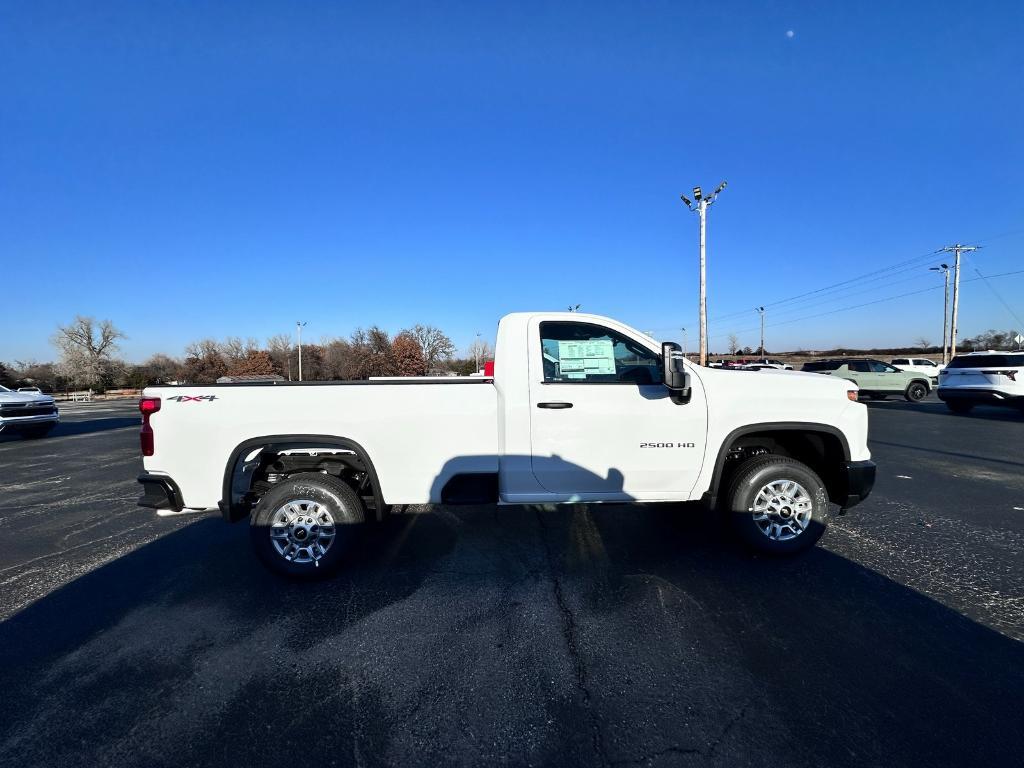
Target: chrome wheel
782, 509
302, 531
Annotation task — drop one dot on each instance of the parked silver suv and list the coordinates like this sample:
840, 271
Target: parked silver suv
30, 414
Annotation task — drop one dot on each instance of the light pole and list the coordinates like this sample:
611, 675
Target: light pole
476, 352
944, 269
701, 206
760, 311
298, 327
684, 342
957, 249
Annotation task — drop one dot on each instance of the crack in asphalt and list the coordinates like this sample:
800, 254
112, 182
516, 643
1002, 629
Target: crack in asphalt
673, 750
569, 633
728, 727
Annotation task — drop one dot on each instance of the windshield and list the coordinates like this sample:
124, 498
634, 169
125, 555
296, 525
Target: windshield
987, 361
3, 388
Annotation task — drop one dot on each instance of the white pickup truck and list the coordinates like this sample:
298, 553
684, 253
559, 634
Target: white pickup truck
580, 409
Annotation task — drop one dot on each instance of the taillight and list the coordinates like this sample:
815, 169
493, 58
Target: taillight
147, 406
851, 394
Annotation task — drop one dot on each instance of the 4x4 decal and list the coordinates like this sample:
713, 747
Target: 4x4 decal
192, 398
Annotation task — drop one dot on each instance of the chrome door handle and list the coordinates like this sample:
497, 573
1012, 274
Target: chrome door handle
555, 406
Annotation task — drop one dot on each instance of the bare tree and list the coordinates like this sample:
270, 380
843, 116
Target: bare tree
922, 342
204, 363
235, 350
337, 362
480, 350
87, 349
280, 349
434, 344
734, 343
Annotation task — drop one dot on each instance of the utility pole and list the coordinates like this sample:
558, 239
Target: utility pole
760, 311
944, 269
957, 249
476, 352
701, 206
684, 342
298, 327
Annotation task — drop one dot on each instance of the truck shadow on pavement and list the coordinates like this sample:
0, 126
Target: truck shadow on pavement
67, 428
574, 635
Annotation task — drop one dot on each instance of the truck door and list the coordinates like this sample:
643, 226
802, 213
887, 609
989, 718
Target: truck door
602, 423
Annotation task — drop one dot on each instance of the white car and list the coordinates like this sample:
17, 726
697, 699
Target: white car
777, 364
580, 409
918, 365
30, 414
994, 378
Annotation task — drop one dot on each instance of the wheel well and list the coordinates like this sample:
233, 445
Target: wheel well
822, 450
258, 464
927, 384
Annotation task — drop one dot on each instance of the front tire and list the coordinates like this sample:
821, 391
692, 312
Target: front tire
304, 526
916, 392
778, 505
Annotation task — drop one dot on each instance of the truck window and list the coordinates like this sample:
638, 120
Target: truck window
583, 353
858, 366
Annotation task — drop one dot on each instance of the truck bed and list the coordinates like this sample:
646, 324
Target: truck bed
420, 432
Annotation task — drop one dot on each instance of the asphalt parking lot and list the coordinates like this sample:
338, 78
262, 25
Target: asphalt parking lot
609, 635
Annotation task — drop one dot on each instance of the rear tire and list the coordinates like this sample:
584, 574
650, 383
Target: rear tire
916, 392
777, 505
959, 406
304, 526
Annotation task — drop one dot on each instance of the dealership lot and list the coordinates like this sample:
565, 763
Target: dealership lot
615, 635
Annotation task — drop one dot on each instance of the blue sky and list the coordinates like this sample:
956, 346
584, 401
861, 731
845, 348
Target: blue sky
213, 169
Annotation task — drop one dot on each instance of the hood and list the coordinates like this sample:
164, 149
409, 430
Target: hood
35, 398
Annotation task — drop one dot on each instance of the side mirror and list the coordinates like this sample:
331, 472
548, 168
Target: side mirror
674, 372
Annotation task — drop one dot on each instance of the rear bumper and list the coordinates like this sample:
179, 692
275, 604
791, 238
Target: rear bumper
160, 492
979, 395
859, 479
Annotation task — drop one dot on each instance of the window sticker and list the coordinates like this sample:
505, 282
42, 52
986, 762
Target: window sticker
579, 359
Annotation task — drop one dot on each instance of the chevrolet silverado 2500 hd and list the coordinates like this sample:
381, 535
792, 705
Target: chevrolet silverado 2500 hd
580, 409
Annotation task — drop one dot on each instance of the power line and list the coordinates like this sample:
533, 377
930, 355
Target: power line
906, 265
863, 304
1002, 301
828, 299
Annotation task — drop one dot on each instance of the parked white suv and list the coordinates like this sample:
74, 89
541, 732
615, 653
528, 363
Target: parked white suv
919, 365
30, 414
995, 378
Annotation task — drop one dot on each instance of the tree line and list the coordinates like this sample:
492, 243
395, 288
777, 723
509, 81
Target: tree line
89, 358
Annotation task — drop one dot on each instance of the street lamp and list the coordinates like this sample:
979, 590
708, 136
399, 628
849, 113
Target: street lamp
298, 327
944, 269
760, 311
700, 206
